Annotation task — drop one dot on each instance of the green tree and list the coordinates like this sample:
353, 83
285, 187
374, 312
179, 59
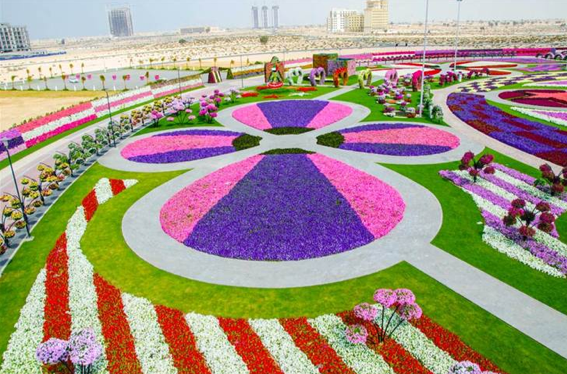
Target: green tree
83, 79
29, 80
50, 72
45, 81
64, 77
188, 59
264, 39
71, 66
102, 80
82, 68
13, 78
182, 41
124, 78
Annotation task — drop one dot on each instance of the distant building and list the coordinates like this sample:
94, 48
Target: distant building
265, 23
354, 23
14, 38
275, 16
337, 20
198, 29
120, 22
255, 17
376, 15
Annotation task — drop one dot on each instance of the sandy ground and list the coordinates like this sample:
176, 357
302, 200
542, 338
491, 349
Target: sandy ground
18, 106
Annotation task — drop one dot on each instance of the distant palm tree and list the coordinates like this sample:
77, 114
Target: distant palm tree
174, 61
151, 62
200, 64
51, 72
124, 77
64, 77
248, 61
215, 61
82, 67
162, 60
83, 79
147, 75
188, 59
102, 79
45, 81
71, 67
39, 71
13, 78
61, 68
131, 60
231, 63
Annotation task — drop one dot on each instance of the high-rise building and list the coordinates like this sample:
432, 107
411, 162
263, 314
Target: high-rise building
265, 23
354, 23
14, 38
255, 17
120, 21
275, 16
337, 20
376, 15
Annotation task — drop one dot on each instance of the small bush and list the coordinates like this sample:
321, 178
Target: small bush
288, 130
246, 141
287, 151
332, 139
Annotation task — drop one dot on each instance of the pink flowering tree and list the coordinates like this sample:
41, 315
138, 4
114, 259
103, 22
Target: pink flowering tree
404, 307
475, 166
553, 183
539, 216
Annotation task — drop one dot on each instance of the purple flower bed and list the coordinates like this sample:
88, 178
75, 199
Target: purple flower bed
543, 141
291, 113
284, 209
182, 155
396, 149
545, 67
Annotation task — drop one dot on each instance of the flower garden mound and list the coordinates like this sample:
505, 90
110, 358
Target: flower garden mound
396, 139
492, 194
307, 114
282, 207
179, 146
139, 337
546, 142
547, 98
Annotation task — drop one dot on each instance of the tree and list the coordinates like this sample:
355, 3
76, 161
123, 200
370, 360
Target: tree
39, 71
264, 39
51, 72
61, 68
182, 41
124, 79
215, 61
29, 80
82, 68
71, 67
102, 80
151, 61
45, 81
64, 77
188, 59
162, 60
13, 78
147, 75
200, 64
83, 79
174, 61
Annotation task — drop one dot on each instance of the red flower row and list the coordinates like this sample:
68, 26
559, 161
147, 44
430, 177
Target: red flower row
250, 94
249, 346
90, 203
314, 346
57, 319
117, 186
393, 353
120, 348
182, 345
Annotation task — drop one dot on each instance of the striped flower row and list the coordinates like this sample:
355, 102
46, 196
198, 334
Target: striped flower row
554, 116
493, 194
139, 337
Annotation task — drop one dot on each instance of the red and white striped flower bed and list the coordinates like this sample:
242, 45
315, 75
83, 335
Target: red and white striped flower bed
139, 337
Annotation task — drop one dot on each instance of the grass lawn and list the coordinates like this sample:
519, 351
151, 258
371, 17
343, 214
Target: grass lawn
463, 237
104, 246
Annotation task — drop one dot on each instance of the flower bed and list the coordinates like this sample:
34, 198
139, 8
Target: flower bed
549, 98
544, 68
180, 146
312, 114
553, 84
282, 207
492, 193
546, 142
553, 116
487, 85
394, 139
137, 336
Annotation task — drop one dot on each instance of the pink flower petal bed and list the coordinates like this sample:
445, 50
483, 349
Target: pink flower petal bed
283, 207
180, 146
311, 114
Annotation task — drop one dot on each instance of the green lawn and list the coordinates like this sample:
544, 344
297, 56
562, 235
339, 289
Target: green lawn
462, 237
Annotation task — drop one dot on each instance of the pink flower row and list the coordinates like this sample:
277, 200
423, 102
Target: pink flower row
422, 136
125, 100
162, 144
59, 130
54, 117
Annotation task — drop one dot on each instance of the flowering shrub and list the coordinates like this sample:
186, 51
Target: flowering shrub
474, 167
405, 307
519, 213
551, 182
356, 334
82, 350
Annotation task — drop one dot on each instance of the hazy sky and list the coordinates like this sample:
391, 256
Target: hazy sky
67, 18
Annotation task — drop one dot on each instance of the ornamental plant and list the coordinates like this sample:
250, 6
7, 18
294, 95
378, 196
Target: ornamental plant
77, 355
527, 218
476, 166
405, 309
12, 219
553, 183
208, 111
356, 334
467, 367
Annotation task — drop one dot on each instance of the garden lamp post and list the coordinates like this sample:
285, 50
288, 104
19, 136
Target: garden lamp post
457, 36
423, 62
111, 123
5, 142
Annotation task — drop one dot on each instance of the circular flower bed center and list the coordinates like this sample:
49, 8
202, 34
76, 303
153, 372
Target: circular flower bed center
282, 207
187, 145
291, 116
394, 139
548, 98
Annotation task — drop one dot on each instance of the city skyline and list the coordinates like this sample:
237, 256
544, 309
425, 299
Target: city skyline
61, 19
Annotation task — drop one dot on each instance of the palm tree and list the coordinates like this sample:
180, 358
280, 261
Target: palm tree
13, 78
51, 72
231, 63
71, 67
131, 60
248, 61
162, 60
188, 59
174, 61
215, 61
39, 71
82, 68
151, 62
29, 80
45, 81
147, 75
64, 76
102, 79
83, 79
200, 64
124, 77
61, 68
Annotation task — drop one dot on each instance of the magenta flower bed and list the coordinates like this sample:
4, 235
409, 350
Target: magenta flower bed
282, 208
548, 98
53, 117
313, 114
128, 99
59, 130
180, 146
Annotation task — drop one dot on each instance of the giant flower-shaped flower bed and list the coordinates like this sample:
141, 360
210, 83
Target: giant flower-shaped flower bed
396, 139
291, 114
184, 145
550, 98
532, 137
282, 207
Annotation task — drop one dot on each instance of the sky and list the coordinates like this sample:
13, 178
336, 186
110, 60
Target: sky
74, 18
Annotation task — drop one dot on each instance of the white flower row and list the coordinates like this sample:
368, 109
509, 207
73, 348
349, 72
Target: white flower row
547, 84
19, 357
103, 191
358, 357
55, 124
418, 345
251, 68
123, 95
104, 109
151, 348
221, 356
551, 242
532, 190
184, 85
539, 115
277, 341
